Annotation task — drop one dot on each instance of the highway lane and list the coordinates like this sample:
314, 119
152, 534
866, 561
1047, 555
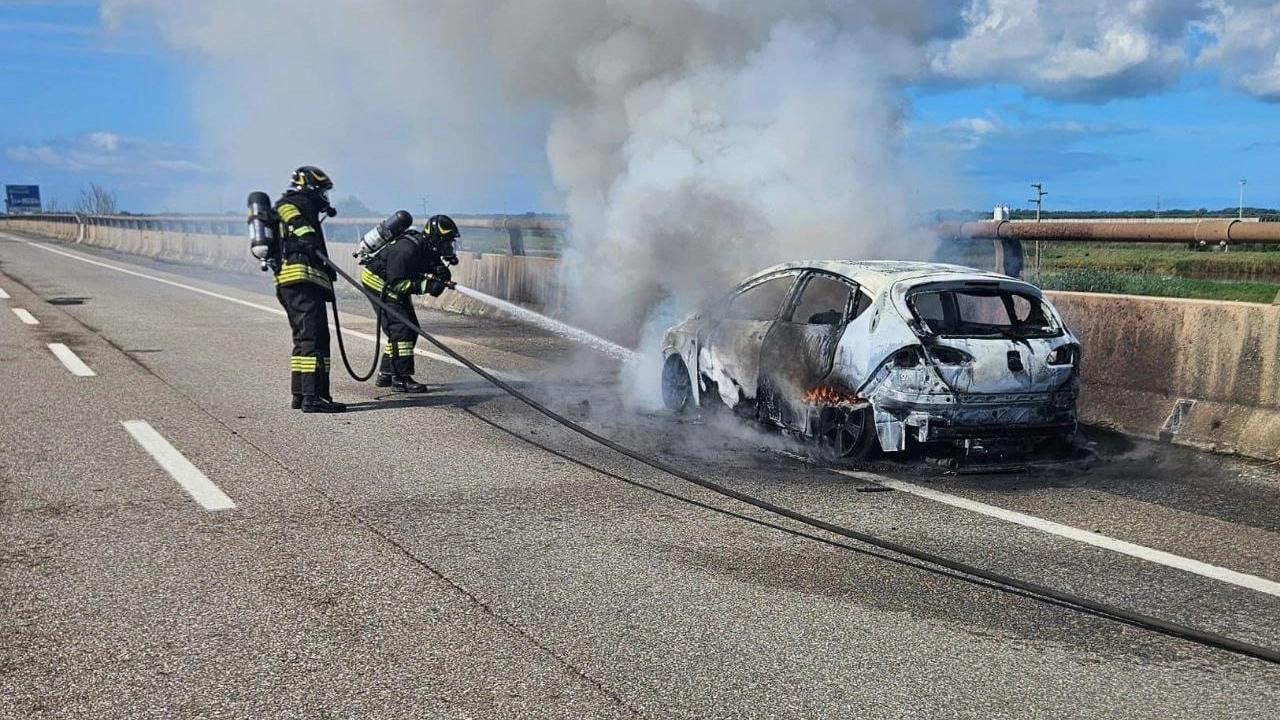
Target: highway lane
420, 557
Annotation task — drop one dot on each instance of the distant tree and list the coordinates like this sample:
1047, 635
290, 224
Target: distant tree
351, 206
96, 200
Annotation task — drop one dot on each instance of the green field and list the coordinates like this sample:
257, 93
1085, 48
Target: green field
1168, 270
1174, 270
496, 241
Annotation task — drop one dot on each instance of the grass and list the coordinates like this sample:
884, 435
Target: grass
1172, 270
1107, 280
496, 241
1161, 260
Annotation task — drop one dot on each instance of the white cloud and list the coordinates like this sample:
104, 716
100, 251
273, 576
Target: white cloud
1091, 50
1246, 50
107, 153
105, 141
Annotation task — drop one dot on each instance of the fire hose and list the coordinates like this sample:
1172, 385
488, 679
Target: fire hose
342, 349
1003, 582
377, 336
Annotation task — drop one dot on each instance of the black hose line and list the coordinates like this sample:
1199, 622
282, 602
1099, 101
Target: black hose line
342, 349
1113, 612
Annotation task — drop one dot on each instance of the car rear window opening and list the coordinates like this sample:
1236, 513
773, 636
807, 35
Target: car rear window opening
978, 312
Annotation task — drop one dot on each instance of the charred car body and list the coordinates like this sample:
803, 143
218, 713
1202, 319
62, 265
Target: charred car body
865, 355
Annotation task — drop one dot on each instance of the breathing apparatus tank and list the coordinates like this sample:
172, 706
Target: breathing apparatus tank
264, 243
377, 238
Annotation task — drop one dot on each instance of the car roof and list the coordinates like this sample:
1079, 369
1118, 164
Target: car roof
878, 275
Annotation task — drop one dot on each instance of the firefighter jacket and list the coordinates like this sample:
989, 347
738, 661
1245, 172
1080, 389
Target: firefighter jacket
302, 242
406, 266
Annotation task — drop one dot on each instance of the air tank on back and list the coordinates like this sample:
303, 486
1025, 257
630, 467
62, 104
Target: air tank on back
264, 244
377, 238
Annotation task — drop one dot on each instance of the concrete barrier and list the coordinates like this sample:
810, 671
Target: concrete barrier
1196, 372
1199, 372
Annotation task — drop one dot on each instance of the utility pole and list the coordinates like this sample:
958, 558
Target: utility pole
1241, 212
1039, 201
424, 207
1039, 198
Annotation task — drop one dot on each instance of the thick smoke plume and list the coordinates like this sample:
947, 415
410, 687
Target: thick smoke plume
691, 141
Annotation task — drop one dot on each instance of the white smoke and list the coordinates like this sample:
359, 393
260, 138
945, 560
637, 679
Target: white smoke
691, 140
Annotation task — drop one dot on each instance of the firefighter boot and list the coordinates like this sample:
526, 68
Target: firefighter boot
383, 380
317, 404
322, 392
406, 384
295, 386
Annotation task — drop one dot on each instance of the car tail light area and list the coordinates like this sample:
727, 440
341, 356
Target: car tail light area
1064, 356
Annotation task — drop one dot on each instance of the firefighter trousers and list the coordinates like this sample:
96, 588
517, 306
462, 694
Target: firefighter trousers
304, 303
397, 354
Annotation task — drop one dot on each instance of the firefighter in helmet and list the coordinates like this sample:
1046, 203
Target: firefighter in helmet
304, 283
414, 263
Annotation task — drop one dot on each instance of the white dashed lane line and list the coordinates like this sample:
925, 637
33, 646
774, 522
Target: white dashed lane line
3, 295
201, 489
1151, 555
71, 360
25, 316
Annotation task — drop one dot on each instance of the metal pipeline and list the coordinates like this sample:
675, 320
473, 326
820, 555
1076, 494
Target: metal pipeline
1207, 231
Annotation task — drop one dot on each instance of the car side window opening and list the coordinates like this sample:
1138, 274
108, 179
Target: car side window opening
760, 302
982, 312
824, 301
861, 302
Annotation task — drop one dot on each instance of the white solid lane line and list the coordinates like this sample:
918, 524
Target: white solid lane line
3, 295
201, 489
276, 311
71, 360
25, 316
1159, 557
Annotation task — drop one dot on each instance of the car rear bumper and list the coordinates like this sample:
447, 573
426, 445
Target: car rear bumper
936, 432
1054, 415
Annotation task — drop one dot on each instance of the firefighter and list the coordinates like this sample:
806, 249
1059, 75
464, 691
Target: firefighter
304, 283
414, 263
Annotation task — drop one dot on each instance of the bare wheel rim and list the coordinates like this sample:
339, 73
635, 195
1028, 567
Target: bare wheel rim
676, 390
841, 433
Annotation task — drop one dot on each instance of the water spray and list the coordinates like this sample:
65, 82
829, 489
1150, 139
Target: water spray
564, 330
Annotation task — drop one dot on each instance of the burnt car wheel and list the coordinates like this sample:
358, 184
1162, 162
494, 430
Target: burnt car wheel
677, 391
845, 434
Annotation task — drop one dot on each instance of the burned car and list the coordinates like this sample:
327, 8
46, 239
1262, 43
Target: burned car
866, 356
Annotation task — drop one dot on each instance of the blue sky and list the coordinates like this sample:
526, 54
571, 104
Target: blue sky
127, 106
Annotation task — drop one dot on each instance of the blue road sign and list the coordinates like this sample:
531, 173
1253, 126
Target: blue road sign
22, 198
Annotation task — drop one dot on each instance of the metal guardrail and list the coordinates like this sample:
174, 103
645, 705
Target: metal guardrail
339, 228
1007, 234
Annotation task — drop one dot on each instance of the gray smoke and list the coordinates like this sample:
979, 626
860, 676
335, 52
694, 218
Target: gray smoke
691, 141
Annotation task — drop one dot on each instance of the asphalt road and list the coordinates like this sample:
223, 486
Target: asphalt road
457, 555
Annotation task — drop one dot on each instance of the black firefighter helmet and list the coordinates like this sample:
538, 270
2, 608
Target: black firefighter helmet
313, 181
442, 232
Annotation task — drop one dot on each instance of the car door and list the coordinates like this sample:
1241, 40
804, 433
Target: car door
797, 353
730, 354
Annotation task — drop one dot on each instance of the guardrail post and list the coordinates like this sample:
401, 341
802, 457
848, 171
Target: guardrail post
1009, 257
516, 237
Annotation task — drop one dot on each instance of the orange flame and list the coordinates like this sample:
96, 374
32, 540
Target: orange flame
828, 395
